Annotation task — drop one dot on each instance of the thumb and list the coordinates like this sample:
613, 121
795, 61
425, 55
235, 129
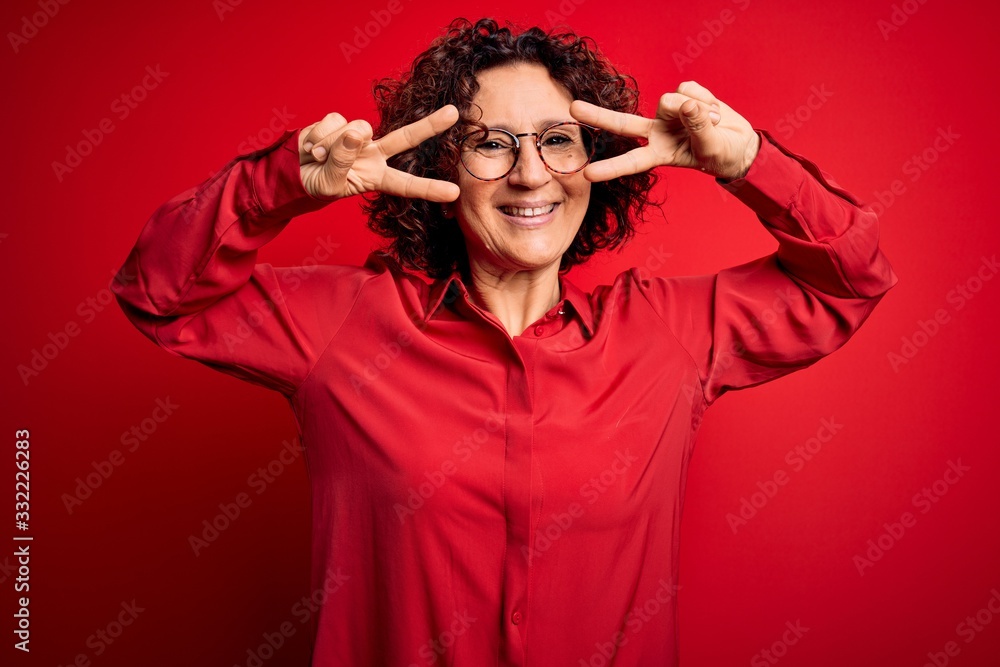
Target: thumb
343, 153
706, 142
697, 119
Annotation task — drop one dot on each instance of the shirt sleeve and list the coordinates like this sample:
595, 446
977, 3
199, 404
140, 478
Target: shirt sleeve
191, 283
758, 321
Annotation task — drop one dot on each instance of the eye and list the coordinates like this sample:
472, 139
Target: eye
493, 144
554, 139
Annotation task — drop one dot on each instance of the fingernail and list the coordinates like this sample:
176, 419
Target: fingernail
714, 116
319, 153
308, 146
351, 142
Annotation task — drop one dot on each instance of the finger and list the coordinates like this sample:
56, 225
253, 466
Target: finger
343, 153
670, 107
614, 121
635, 161
412, 135
329, 124
401, 184
699, 92
698, 122
360, 128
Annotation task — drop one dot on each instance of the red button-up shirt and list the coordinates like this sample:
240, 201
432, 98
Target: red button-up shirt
481, 499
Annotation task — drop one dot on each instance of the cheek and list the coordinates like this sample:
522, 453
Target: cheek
474, 195
472, 216
473, 209
579, 196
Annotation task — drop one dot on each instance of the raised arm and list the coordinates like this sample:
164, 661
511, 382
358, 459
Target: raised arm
191, 283
755, 322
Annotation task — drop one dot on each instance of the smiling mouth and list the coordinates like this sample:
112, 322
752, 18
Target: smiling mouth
519, 212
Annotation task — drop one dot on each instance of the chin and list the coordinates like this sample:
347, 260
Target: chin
533, 261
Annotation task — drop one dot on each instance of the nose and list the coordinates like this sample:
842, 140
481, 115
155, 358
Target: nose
530, 171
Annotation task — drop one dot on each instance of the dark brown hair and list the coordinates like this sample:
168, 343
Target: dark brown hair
422, 238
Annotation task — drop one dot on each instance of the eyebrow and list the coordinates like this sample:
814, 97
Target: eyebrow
541, 126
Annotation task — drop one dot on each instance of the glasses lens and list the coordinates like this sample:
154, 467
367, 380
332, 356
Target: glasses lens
488, 155
567, 148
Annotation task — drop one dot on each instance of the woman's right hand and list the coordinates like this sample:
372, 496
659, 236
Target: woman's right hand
340, 159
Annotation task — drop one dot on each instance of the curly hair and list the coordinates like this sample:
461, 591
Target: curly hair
422, 237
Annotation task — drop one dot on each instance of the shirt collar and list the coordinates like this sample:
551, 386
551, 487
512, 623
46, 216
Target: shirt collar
450, 289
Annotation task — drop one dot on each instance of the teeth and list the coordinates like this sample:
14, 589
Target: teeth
527, 212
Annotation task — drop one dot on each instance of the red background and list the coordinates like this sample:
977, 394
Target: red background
888, 96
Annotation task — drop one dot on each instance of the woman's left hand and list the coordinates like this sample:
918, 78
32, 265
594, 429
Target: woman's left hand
692, 129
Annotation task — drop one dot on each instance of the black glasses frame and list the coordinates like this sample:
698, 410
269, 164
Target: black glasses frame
516, 148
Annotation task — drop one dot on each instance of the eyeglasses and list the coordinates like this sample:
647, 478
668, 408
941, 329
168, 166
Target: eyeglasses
565, 148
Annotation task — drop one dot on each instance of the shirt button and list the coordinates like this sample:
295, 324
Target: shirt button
539, 330
515, 618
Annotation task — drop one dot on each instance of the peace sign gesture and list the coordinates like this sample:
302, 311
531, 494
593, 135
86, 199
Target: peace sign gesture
340, 159
692, 129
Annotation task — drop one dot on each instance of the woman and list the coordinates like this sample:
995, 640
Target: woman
497, 458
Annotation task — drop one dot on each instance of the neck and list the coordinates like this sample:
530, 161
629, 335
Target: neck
516, 298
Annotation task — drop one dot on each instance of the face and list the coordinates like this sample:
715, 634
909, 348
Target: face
527, 220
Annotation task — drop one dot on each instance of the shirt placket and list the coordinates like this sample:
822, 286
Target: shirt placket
517, 496
522, 483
